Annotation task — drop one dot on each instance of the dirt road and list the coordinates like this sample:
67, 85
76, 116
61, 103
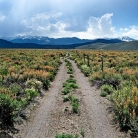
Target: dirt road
49, 118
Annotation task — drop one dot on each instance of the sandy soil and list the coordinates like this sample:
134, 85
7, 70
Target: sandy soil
50, 117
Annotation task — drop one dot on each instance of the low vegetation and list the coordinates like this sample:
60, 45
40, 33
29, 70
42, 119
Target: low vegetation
69, 86
23, 74
116, 74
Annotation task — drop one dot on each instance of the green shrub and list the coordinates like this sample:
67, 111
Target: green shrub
103, 94
33, 83
70, 69
66, 91
75, 107
73, 85
82, 133
71, 76
31, 93
114, 80
46, 84
70, 80
126, 105
64, 84
8, 109
70, 72
3, 71
15, 88
107, 88
73, 99
85, 69
126, 83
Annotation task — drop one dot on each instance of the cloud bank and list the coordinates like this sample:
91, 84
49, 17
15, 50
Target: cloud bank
61, 18
53, 24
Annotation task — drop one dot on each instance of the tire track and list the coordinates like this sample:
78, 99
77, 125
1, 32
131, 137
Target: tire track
94, 107
38, 125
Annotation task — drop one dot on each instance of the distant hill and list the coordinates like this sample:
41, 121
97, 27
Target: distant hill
132, 45
107, 41
5, 43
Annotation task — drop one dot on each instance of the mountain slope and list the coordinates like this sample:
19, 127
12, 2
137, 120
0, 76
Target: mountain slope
133, 45
5, 43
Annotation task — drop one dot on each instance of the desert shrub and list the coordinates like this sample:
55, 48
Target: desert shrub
82, 133
73, 85
8, 109
64, 84
96, 68
96, 76
70, 69
126, 83
107, 88
66, 91
75, 107
73, 99
71, 80
114, 80
3, 71
68, 87
31, 93
70, 72
33, 83
126, 105
46, 83
71, 76
85, 69
68, 64
16, 88
103, 93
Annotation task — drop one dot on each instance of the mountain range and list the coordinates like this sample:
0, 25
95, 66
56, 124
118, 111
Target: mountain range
63, 41
46, 40
68, 43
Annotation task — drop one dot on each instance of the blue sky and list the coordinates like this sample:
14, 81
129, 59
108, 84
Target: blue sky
69, 18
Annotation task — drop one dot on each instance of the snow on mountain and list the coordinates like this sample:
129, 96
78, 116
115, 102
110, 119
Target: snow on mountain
31, 39
47, 40
126, 38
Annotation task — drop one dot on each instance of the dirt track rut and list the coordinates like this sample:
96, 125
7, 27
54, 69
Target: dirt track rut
94, 107
37, 127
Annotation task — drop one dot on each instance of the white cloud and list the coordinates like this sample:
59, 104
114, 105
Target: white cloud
126, 29
53, 25
47, 24
101, 26
42, 19
132, 32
